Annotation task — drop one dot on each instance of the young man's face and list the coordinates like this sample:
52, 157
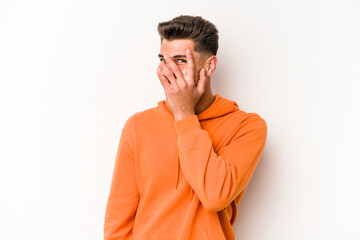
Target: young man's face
176, 50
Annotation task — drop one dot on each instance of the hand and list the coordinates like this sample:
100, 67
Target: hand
181, 93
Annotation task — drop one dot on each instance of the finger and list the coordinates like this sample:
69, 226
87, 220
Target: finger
176, 70
163, 80
190, 64
169, 75
202, 82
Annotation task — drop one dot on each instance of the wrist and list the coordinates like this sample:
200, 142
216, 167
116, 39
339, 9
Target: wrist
181, 116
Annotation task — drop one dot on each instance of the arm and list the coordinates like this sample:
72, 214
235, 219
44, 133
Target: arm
218, 178
123, 198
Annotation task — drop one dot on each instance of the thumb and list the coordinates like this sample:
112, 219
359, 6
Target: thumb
202, 81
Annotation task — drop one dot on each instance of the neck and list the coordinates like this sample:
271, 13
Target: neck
205, 101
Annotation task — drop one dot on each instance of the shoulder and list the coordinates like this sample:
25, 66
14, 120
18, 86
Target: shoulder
241, 118
139, 118
252, 125
247, 124
251, 117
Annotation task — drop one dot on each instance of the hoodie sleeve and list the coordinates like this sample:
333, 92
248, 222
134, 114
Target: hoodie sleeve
219, 177
123, 198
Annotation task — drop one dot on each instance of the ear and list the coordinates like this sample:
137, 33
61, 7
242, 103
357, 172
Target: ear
210, 65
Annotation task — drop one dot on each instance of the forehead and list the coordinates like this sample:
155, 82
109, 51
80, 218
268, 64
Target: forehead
177, 46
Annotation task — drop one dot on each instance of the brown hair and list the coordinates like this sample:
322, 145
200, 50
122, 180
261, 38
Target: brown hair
202, 32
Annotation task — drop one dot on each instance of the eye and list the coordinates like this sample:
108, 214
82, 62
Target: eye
162, 60
181, 60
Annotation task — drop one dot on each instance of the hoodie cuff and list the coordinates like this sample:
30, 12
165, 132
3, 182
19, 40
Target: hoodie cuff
187, 125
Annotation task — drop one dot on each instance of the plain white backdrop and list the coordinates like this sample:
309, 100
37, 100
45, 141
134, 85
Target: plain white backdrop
72, 72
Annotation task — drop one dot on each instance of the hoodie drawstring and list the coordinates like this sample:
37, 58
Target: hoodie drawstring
177, 171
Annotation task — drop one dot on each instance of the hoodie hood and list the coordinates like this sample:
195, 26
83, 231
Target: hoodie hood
218, 108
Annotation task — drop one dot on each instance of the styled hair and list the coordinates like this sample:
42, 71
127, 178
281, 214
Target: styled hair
201, 31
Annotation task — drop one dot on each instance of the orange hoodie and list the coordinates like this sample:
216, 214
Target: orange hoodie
183, 180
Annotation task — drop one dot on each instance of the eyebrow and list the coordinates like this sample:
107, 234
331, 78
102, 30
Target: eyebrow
176, 56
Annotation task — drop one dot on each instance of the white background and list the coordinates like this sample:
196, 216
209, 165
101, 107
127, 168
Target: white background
72, 72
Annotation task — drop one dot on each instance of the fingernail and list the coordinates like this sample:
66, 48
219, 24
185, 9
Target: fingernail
188, 50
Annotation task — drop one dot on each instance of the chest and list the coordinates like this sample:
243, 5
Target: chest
156, 156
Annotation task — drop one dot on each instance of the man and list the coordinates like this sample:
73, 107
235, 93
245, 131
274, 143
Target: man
182, 167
